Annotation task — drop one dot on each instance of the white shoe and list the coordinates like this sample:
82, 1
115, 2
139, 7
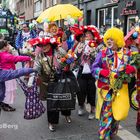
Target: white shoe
51, 128
81, 111
91, 116
68, 119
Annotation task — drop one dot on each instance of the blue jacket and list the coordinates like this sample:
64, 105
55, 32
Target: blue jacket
19, 39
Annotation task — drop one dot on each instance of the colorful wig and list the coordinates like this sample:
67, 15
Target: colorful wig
115, 34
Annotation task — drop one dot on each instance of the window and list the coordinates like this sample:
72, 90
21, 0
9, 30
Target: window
30, 2
108, 16
37, 6
101, 18
47, 3
54, 2
25, 3
115, 15
131, 22
88, 17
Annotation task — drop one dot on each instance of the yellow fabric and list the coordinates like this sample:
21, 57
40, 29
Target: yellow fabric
60, 11
120, 106
99, 102
115, 34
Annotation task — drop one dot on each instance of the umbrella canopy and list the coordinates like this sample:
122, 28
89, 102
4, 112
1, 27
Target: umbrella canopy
60, 11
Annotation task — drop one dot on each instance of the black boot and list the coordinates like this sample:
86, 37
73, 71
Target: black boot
138, 128
7, 107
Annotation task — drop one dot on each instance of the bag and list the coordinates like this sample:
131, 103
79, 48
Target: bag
121, 105
62, 92
33, 106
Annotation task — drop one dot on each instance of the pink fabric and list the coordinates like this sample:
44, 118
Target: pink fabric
10, 93
7, 60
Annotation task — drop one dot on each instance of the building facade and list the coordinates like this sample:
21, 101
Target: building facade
41, 5
20, 11
121, 13
29, 10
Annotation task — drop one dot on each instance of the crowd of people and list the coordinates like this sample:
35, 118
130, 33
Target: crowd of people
100, 67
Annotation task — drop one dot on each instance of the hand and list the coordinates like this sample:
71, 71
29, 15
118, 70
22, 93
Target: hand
30, 82
104, 73
130, 69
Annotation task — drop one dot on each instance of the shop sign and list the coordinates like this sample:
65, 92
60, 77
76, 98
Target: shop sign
129, 9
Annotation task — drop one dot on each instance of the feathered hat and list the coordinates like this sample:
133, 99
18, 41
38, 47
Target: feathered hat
116, 34
94, 30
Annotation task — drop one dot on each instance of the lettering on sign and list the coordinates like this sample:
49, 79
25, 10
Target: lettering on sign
129, 9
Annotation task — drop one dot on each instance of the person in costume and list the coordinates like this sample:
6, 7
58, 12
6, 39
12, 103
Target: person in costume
6, 75
138, 89
7, 61
133, 42
48, 64
112, 72
23, 36
88, 39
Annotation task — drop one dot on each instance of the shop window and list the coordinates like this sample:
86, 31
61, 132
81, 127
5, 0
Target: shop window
88, 17
107, 17
131, 22
101, 18
115, 16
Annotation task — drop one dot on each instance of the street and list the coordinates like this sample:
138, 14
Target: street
97, 40
14, 127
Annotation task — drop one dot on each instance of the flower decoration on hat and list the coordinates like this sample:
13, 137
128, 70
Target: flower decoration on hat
94, 30
92, 44
33, 41
43, 41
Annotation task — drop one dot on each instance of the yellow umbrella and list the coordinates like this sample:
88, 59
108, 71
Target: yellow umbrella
60, 11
